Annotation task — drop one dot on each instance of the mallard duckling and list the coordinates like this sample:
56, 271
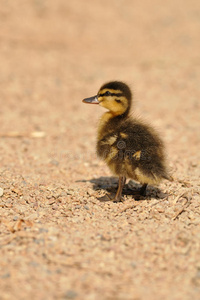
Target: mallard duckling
130, 148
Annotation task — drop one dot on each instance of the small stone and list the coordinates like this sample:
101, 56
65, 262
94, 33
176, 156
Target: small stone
1, 192
161, 195
5, 275
54, 206
70, 294
86, 207
105, 237
41, 230
33, 264
77, 206
54, 162
133, 264
39, 241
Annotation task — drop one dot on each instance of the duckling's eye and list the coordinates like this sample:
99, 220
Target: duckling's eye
107, 93
118, 101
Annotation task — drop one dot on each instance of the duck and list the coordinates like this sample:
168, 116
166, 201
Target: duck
130, 147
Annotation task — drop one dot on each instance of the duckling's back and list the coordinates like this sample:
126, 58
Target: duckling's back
132, 149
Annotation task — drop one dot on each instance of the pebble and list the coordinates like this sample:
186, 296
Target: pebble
41, 230
77, 206
54, 162
133, 264
1, 192
33, 264
5, 275
39, 241
70, 294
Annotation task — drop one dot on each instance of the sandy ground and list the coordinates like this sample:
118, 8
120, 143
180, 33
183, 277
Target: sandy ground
58, 239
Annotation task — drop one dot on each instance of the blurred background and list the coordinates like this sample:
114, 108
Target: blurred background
52, 55
55, 53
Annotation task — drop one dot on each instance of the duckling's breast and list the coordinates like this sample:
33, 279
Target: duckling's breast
113, 148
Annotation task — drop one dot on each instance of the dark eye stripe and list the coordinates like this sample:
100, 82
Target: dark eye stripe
111, 94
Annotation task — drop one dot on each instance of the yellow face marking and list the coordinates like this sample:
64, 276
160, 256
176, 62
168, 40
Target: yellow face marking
110, 90
123, 135
109, 101
137, 155
114, 107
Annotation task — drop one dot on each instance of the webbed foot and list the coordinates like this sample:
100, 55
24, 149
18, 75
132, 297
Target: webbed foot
116, 198
143, 189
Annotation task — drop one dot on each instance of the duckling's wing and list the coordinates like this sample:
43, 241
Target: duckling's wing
147, 150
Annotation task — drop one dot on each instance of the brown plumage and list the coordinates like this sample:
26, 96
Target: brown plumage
131, 148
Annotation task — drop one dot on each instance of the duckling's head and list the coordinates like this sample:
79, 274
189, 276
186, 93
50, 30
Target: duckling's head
115, 96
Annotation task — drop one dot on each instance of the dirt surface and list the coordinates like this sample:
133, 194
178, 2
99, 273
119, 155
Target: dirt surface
59, 239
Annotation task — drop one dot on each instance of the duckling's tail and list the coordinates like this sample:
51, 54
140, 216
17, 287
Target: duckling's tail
168, 177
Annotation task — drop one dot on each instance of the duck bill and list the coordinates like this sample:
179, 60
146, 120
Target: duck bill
91, 100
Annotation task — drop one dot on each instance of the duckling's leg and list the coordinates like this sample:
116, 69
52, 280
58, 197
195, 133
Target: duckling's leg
118, 196
143, 189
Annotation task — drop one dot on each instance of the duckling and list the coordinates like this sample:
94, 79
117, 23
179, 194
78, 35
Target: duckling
130, 148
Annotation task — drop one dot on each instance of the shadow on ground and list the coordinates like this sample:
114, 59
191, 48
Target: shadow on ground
132, 188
